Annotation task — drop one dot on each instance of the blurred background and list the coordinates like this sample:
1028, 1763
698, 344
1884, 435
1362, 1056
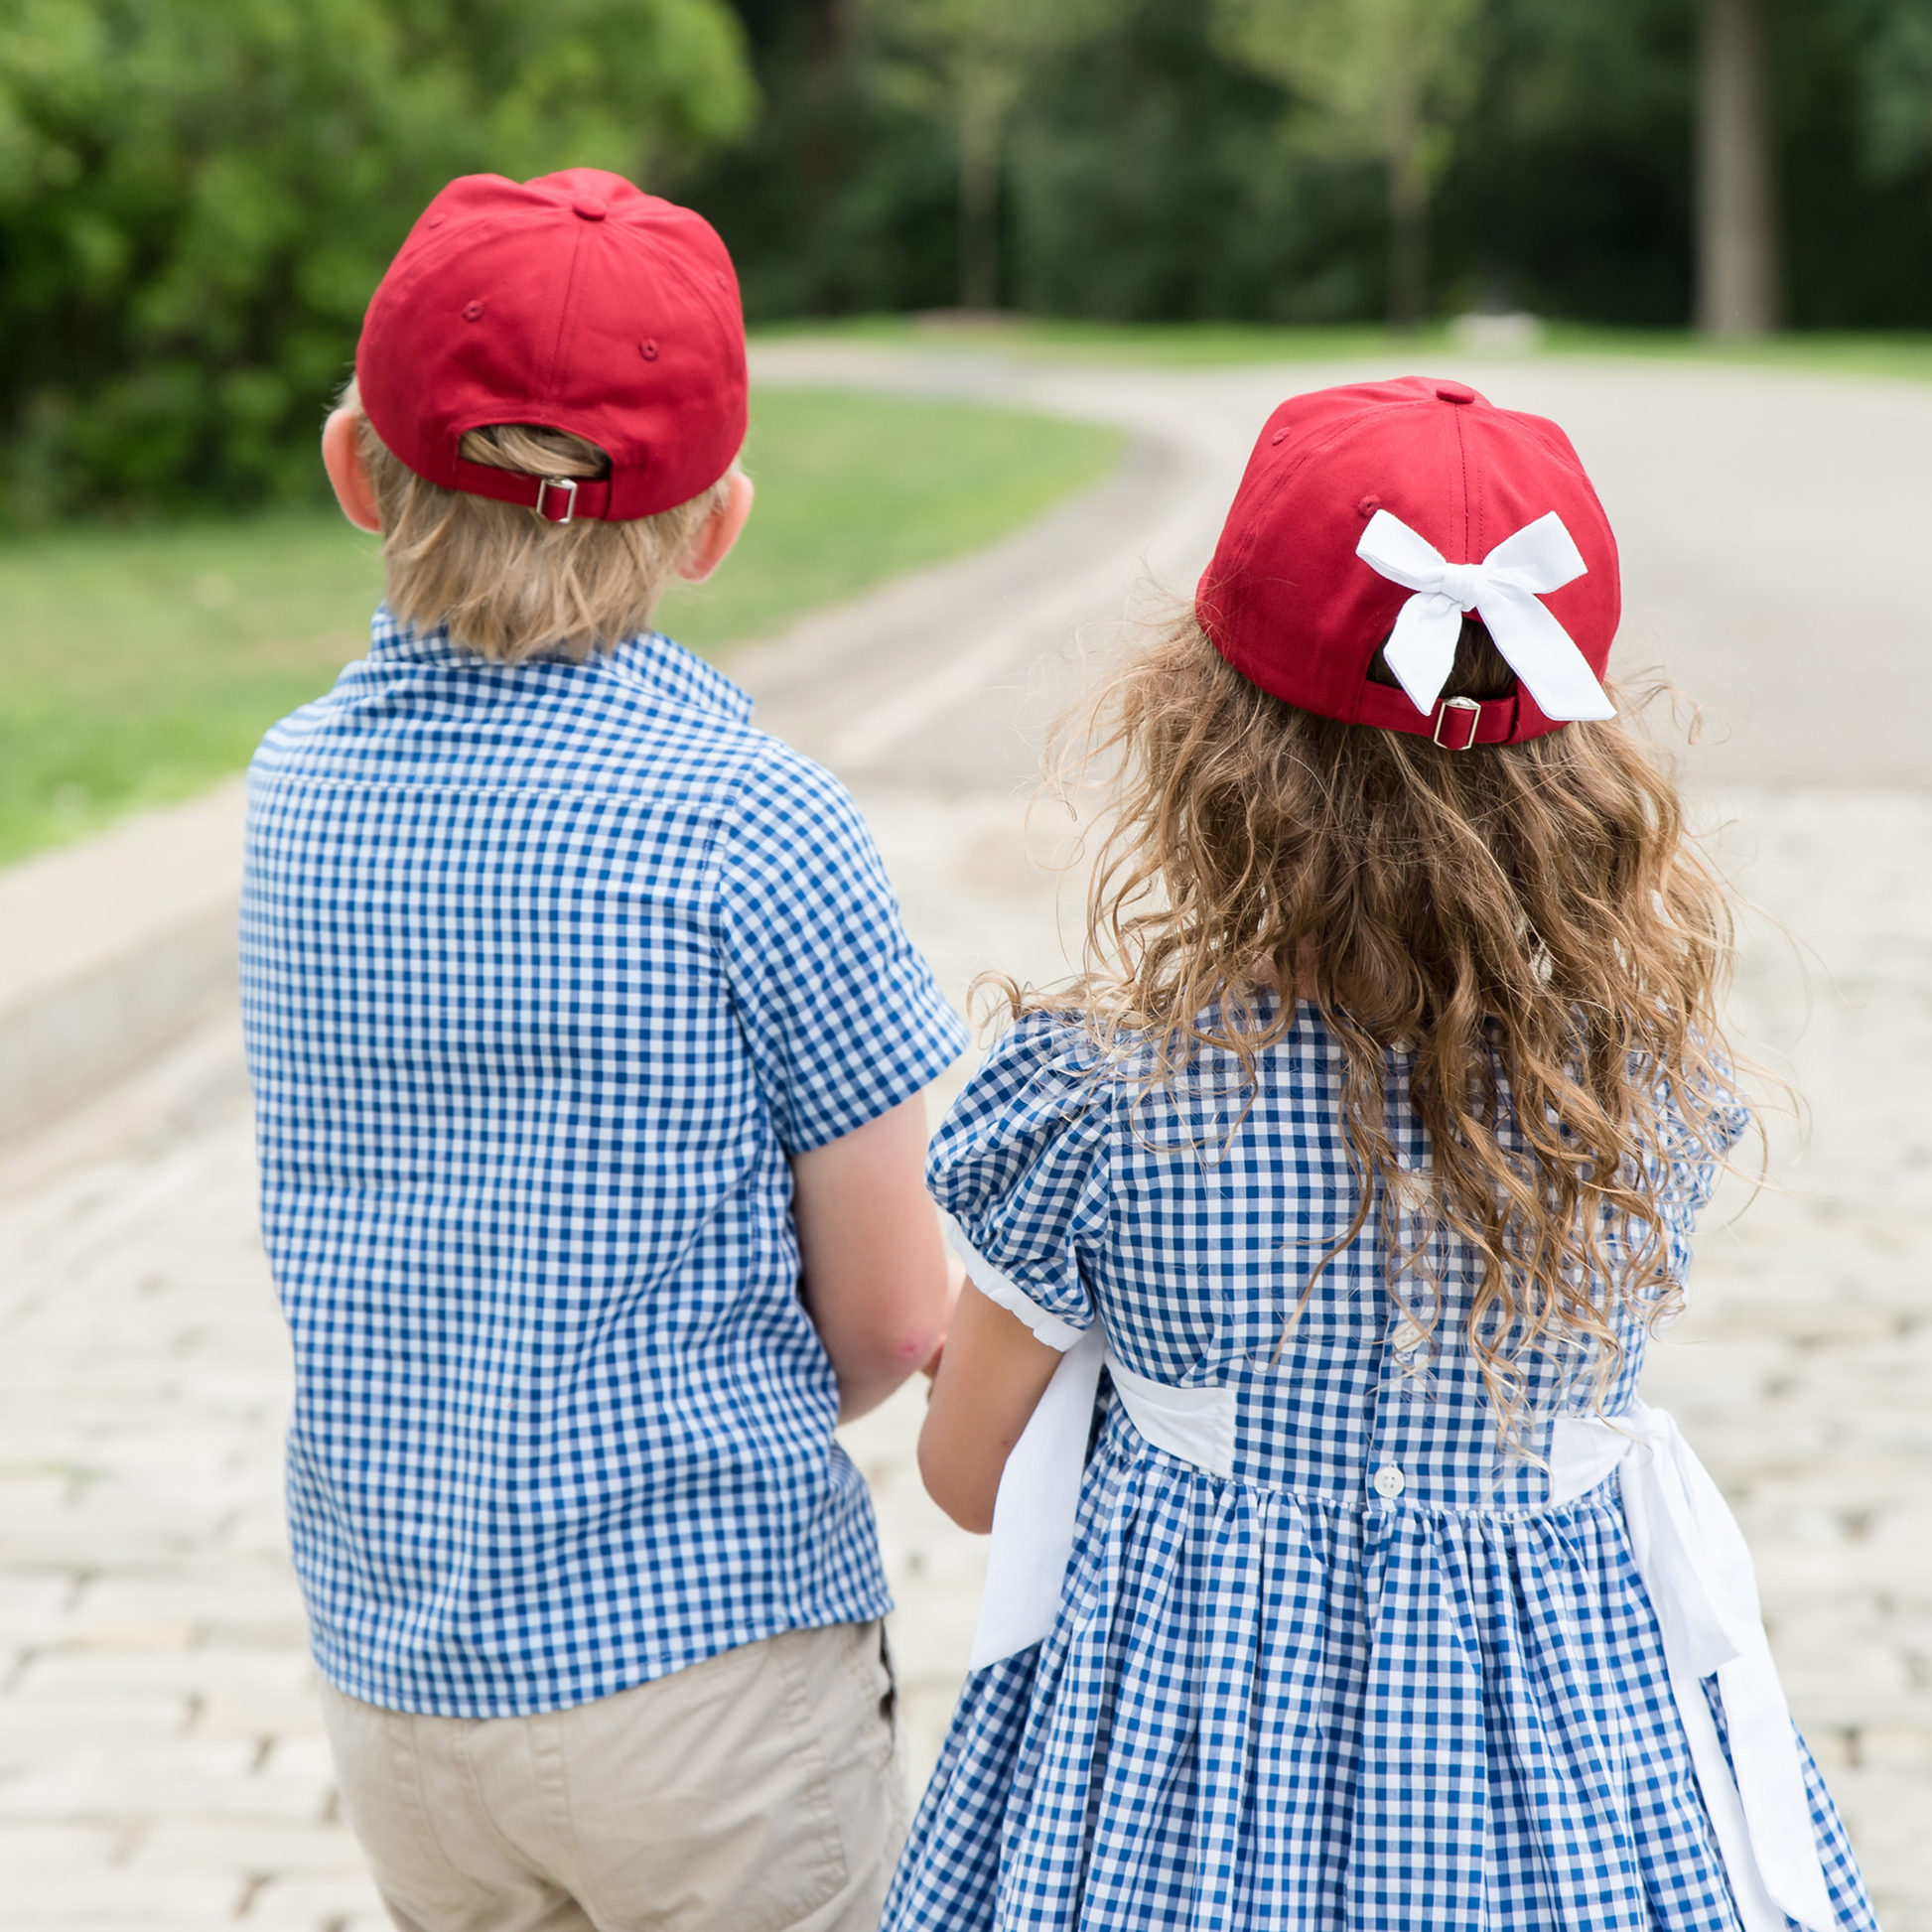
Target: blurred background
198, 196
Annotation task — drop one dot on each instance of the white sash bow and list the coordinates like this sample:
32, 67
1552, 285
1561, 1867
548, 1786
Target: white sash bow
1689, 1550
1697, 1569
1504, 591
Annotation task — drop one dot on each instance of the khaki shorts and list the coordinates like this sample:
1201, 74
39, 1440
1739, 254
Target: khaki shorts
761, 1790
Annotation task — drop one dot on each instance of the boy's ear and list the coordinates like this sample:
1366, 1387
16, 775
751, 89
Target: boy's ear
342, 457
719, 531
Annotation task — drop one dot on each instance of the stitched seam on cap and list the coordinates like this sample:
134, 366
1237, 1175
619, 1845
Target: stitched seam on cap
715, 301
566, 318
1471, 545
1265, 497
727, 337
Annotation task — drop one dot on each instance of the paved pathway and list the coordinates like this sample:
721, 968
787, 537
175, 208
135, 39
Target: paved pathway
160, 1756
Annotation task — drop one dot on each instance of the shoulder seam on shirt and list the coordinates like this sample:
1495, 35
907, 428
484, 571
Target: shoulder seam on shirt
729, 802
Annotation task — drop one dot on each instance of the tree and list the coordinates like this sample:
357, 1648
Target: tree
1737, 191
972, 59
1571, 186
1389, 78
1897, 82
196, 198
1146, 177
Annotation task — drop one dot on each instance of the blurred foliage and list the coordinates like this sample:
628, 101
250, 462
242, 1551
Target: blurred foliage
1391, 80
1047, 340
198, 196
1144, 175
1896, 71
1377, 71
1154, 182
1570, 190
844, 200
1148, 174
968, 62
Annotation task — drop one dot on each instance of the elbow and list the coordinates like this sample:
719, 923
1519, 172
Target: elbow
869, 1369
967, 1512
913, 1346
965, 1502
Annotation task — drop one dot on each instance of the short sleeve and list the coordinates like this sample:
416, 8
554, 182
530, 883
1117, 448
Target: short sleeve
1021, 1166
1698, 1127
840, 1014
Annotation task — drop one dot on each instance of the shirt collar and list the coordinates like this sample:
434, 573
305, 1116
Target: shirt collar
649, 659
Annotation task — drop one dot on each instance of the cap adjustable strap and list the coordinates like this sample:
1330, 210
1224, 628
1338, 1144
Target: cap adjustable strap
1455, 724
542, 506
557, 499
1470, 713
563, 499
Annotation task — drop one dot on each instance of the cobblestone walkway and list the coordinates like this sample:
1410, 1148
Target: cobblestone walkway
160, 1758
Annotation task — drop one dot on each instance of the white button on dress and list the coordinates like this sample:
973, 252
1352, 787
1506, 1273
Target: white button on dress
1389, 1480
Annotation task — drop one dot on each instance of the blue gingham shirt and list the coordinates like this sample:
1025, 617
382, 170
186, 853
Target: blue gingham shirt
546, 971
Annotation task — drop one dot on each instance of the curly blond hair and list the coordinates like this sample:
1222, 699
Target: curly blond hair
1530, 919
507, 584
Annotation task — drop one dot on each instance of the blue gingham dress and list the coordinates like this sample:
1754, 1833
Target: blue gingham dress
1280, 1699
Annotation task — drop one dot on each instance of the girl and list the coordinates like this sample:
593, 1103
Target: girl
1365, 1156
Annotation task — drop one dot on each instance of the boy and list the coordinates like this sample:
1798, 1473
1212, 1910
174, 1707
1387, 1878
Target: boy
586, 1052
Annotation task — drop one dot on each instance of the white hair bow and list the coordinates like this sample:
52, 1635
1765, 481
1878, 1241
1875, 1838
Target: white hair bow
1504, 591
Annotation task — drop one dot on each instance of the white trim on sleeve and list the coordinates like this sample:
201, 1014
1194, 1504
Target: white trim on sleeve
1047, 1326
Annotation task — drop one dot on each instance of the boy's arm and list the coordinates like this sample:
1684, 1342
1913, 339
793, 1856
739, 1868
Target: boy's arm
875, 1277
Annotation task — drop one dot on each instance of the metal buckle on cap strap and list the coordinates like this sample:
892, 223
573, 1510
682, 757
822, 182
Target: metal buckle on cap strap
547, 483
1475, 721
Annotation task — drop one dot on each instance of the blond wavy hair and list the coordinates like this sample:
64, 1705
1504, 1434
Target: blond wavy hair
1530, 919
507, 584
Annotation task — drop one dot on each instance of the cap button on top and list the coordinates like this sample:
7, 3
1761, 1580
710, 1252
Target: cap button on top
1456, 392
588, 208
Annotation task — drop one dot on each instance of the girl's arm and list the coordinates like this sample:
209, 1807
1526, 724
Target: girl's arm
876, 1282
990, 1381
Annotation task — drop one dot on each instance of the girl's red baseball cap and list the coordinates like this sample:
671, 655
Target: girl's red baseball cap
573, 302
1293, 607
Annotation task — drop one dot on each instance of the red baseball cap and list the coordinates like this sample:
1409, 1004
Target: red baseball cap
573, 302
1380, 512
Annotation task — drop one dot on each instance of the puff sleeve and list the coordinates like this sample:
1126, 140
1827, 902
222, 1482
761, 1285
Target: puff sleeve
1021, 1169
1684, 1169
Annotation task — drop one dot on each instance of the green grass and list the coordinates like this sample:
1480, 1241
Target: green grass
1200, 345
853, 489
1905, 353
137, 666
